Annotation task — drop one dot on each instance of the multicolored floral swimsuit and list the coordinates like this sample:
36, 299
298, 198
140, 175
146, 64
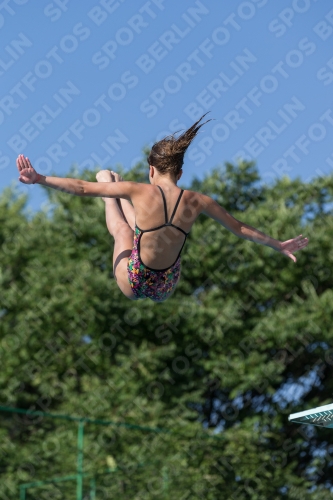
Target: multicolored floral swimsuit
155, 284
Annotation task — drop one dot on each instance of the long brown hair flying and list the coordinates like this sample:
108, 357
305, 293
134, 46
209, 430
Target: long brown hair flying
167, 155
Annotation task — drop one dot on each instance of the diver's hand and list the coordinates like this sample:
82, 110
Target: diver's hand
28, 174
289, 247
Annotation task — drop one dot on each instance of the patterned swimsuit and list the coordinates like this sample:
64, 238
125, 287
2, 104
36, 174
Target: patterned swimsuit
155, 284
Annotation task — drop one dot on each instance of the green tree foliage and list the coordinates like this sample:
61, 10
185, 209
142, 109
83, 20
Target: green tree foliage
245, 341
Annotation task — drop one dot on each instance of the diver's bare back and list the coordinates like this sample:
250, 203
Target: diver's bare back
159, 248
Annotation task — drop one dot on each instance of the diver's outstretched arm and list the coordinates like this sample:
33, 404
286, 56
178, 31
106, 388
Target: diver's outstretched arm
78, 187
212, 209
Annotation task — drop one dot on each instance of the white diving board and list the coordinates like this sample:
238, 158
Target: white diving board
321, 416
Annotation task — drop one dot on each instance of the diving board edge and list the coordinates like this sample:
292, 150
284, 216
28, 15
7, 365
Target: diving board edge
321, 416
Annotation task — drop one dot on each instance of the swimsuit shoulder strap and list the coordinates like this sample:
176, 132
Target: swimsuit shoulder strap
165, 206
176, 206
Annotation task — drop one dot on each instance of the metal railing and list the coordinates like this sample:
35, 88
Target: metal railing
80, 474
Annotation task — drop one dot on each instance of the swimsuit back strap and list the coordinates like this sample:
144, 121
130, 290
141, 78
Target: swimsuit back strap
176, 206
165, 206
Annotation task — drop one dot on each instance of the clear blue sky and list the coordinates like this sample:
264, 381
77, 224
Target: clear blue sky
92, 82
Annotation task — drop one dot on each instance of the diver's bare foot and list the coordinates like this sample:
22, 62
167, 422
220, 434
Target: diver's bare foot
105, 176
117, 177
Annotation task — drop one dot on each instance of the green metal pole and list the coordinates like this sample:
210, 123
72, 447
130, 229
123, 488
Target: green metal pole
22, 493
92, 489
165, 476
79, 484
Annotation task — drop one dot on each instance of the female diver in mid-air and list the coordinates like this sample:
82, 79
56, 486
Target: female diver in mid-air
150, 232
